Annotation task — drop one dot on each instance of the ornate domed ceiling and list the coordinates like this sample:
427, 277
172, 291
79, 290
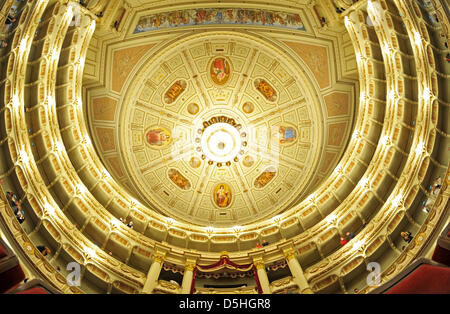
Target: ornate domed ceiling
222, 128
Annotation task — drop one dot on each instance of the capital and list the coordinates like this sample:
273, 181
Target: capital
189, 265
159, 257
289, 253
259, 263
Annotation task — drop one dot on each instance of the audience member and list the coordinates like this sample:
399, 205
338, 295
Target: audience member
130, 224
258, 245
364, 223
44, 250
435, 188
20, 217
343, 241
407, 236
350, 235
264, 243
10, 20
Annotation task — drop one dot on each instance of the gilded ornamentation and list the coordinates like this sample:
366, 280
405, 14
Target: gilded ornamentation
289, 254
190, 266
159, 257
259, 264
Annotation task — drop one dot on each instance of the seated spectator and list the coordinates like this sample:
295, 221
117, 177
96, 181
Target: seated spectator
435, 188
3, 44
364, 223
437, 183
350, 235
44, 250
343, 241
16, 208
130, 224
264, 243
124, 220
20, 217
12, 198
258, 245
10, 20
407, 236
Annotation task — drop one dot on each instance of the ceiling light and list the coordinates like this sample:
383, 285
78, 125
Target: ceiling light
397, 200
115, 222
419, 148
358, 245
90, 251
331, 218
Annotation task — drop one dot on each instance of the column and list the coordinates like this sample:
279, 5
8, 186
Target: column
153, 273
262, 275
297, 272
188, 275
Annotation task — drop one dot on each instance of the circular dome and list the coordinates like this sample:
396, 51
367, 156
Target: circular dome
147, 82
254, 102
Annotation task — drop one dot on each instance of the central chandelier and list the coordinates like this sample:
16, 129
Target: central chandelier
221, 141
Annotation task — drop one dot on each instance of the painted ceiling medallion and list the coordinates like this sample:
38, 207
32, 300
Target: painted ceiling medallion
193, 108
158, 137
248, 107
265, 177
220, 70
179, 179
248, 161
266, 89
221, 141
286, 134
195, 162
222, 195
174, 91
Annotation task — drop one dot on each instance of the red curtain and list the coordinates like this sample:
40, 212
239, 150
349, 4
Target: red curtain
225, 262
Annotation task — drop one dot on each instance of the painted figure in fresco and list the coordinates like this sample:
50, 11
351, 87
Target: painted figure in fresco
178, 179
265, 89
174, 91
220, 70
158, 137
265, 177
223, 196
287, 134
219, 16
